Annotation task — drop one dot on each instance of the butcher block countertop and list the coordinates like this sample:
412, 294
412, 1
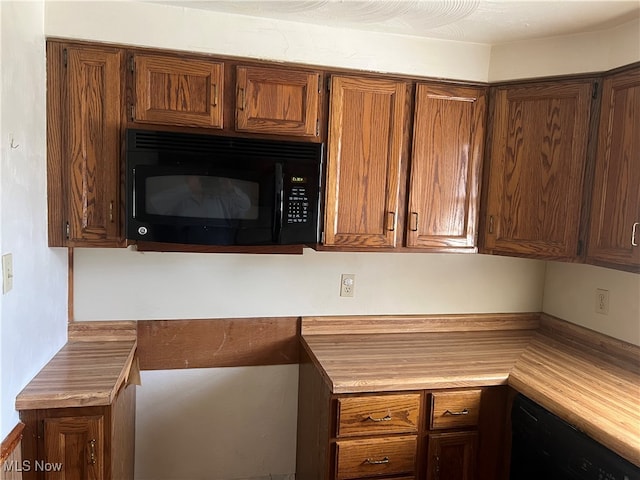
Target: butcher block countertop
81, 374
590, 380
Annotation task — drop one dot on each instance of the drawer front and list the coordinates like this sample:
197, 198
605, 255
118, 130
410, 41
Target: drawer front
377, 456
455, 409
380, 414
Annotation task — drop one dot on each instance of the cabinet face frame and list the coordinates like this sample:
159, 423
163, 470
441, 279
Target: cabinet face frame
364, 154
535, 194
278, 101
175, 91
615, 208
446, 165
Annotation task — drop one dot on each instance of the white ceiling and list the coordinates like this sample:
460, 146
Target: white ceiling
476, 21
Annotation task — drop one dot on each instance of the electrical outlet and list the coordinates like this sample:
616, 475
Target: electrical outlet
7, 272
347, 284
602, 301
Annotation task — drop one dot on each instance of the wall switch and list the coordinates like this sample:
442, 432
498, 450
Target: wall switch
7, 272
347, 284
602, 301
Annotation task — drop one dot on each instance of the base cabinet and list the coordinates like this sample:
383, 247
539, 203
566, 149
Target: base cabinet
81, 443
456, 434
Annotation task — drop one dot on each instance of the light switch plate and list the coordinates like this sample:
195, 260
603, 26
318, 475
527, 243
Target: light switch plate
7, 272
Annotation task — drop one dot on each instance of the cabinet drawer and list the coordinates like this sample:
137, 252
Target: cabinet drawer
378, 456
381, 414
455, 409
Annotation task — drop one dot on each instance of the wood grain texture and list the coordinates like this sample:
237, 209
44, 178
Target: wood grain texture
80, 374
364, 458
537, 167
616, 189
448, 136
601, 399
11, 442
452, 456
277, 100
376, 415
455, 409
102, 331
383, 324
363, 161
9, 464
171, 344
413, 361
142, 246
178, 91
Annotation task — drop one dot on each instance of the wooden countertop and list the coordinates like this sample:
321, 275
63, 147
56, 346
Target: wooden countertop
590, 380
82, 373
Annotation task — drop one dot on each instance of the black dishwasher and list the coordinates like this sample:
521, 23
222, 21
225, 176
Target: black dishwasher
545, 447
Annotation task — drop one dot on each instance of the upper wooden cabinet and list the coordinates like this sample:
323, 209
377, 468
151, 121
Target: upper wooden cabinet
446, 162
179, 91
278, 101
536, 168
615, 210
85, 87
364, 152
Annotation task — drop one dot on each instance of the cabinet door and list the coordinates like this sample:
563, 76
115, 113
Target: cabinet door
280, 101
448, 138
174, 91
74, 448
452, 456
92, 145
615, 211
364, 157
537, 161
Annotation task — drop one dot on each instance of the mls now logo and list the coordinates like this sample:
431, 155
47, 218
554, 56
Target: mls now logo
28, 466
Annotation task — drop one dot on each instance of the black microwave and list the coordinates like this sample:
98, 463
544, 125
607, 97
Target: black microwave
220, 190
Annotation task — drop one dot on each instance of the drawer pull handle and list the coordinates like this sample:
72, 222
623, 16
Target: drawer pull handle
386, 418
462, 412
371, 461
634, 243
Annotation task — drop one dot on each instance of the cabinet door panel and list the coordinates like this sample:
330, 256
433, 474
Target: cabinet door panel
93, 144
74, 448
364, 156
615, 210
538, 155
277, 101
445, 167
172, 91
452, 456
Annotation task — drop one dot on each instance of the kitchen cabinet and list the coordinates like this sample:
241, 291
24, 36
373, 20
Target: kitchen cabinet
83, 443
278, 101
85, 88
536, 168
177, 91
446, 162
364, 154
615, 209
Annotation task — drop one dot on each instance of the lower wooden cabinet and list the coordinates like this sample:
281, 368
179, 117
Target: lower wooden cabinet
81, 443
456, 434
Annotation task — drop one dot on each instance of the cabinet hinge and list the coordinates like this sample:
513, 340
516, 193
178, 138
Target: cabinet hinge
317, 127
329, 85
319, 83
64, 57
67, 231
132, 64
132, 112
322, 237
595, 90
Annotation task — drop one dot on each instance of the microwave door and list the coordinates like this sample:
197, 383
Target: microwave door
278, 210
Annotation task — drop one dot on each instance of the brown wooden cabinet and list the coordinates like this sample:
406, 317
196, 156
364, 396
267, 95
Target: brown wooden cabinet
366, 128
536, 168
615, 210
452, 456
81, 443
85, 88
178, 91
446, 162
278, 101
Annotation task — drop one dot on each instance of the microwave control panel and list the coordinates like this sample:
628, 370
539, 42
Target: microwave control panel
298, 205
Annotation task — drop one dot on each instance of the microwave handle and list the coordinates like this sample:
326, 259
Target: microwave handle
279, 203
